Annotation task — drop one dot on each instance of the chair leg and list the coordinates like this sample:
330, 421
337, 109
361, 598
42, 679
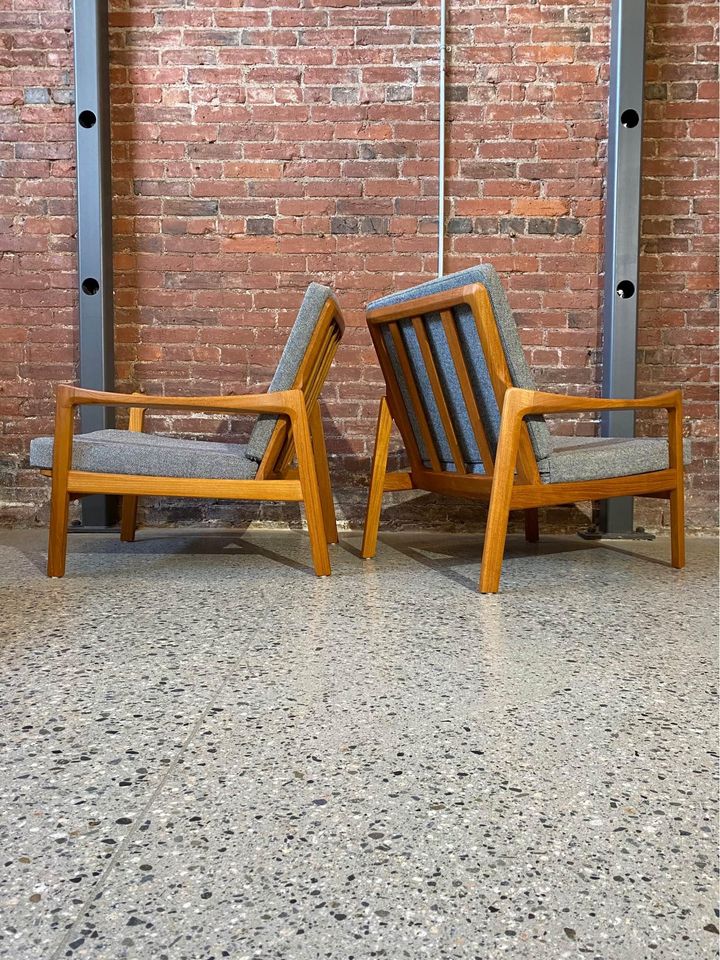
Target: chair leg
59, 499
677, 496
128, 514
311, 492
532, 525
377, 480
323, 474
677, 528
58, 534
500, 499
128, 518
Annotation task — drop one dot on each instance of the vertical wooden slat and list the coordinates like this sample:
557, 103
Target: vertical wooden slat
478, 429
500, 378
395, 400
414, 396
421, 334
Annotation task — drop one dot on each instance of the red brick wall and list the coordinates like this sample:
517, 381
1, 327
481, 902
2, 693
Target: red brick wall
259, 146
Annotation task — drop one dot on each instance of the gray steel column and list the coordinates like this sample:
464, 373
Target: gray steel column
94, 226
622, 233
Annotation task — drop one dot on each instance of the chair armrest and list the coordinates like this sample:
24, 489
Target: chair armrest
521, 403
287, 402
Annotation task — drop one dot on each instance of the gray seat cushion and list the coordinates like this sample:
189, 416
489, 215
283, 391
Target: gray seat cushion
301, 333
596, 458
149, 455
475, 361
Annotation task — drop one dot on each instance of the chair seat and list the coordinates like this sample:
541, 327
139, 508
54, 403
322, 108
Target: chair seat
597, 458
149, 455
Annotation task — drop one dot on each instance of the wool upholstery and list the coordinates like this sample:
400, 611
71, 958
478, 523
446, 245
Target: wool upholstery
475, 361
149, 455
292, 356
142, 454
559, 459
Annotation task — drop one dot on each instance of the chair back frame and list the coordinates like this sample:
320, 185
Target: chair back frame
475, 296
310, 378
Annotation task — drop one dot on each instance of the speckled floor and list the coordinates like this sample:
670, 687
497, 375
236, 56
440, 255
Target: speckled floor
206, 752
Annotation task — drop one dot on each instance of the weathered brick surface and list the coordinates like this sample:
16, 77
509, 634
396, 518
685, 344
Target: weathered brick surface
258, 146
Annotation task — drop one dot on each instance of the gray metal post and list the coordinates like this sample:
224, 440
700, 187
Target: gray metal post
94, 226
622, 233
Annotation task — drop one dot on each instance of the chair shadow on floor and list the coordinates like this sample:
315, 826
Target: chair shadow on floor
173, 542
443, 553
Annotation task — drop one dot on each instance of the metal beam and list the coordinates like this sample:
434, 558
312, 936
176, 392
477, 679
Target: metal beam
622, 233
94, 226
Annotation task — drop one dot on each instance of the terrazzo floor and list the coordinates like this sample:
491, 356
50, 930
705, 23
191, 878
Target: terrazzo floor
206, 752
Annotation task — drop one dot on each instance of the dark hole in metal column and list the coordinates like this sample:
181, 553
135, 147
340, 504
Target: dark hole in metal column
94, 229
622, 235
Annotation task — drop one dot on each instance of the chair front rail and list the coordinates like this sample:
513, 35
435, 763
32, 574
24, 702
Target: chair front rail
82, 482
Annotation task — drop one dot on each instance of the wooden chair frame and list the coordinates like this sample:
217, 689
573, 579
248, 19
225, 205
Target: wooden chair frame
298, 433
511, 480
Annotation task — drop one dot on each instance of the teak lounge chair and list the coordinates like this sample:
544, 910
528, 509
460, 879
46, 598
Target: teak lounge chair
461, 393
132, 463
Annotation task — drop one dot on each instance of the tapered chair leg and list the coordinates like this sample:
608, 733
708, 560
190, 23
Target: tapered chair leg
532, 525
494, 547
323, 474
57, 539
59, 499
128, 512
128, 518
677, 496
311, 493
677, 528
377, 481
500, 499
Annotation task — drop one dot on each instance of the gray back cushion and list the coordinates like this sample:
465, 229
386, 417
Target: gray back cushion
306, 321
475, 361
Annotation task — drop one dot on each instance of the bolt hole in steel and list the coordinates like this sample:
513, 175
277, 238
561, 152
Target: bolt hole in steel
629, 119
90, 286
625, 289
87, 119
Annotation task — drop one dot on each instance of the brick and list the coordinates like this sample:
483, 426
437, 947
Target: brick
344, 225
459, 225
537, 207
37, 95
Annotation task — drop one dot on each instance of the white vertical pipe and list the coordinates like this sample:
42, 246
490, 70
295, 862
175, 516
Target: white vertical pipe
441, 147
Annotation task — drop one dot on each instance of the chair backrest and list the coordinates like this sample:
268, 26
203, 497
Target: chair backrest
449, 349
303, 365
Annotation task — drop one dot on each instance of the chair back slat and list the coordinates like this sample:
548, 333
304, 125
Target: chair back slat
473, 413
396, 396
500, 377
448, 354
419, 410
437, 389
